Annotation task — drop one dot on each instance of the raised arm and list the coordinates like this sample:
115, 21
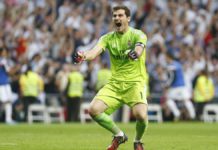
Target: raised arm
87, 55
92, 54
141, 40
137, 52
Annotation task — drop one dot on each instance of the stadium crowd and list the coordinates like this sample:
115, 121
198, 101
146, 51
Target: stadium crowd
43, 35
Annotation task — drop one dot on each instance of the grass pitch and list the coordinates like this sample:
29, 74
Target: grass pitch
164, 136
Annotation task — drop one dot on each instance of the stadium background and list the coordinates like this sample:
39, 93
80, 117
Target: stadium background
44, 34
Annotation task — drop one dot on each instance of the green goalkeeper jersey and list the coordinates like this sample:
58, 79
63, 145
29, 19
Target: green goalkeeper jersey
119, 45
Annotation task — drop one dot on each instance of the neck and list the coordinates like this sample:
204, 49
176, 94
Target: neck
124, 31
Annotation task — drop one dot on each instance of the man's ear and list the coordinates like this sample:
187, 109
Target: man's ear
128, 18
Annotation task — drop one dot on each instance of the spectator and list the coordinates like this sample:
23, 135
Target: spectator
31, 86
62, 79
74, 93
203, 92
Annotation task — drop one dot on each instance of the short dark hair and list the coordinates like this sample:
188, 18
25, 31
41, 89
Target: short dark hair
126, 9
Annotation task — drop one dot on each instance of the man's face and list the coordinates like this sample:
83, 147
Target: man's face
120, 20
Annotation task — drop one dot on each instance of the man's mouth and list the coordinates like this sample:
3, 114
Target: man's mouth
118, 24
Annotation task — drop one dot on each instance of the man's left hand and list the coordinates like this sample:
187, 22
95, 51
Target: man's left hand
133, 55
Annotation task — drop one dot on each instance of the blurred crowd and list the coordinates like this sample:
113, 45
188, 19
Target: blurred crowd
44, 34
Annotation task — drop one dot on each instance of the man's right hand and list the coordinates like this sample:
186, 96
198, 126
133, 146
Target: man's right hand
78, 57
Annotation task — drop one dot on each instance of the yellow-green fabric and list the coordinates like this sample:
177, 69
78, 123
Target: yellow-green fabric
75, 84
106, 122
147, 84
204, 89
119, 45
115, 93
31, 84
103, 77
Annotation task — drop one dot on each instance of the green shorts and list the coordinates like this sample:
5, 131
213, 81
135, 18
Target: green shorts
114, 94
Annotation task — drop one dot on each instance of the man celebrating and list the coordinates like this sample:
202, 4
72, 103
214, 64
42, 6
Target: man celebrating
126, 47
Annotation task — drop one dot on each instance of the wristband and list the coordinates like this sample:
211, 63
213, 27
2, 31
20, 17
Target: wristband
140, 44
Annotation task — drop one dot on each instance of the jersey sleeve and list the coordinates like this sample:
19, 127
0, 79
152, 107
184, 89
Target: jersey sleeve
102, 42
141, 37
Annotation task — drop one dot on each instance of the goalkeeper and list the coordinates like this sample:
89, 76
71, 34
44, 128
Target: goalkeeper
126, 47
